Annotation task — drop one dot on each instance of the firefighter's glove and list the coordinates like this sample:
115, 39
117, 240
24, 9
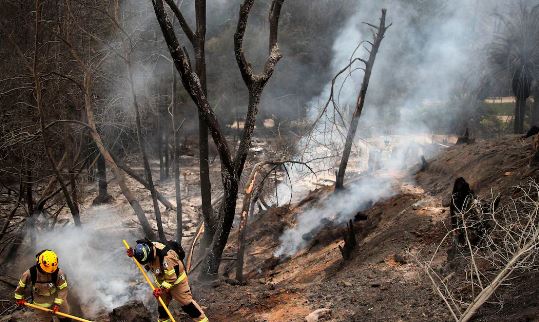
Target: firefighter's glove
130, 252
55, 308
21, 302
158, 292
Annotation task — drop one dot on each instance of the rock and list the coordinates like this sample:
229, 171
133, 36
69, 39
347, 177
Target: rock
400, 259
133, 311
345, 283
317, 315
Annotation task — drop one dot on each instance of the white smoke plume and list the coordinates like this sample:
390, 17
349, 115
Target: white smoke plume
93, 257
432, 48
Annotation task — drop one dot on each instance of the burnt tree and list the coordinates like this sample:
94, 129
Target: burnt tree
231, 166
375, 45
103, 195
350, 242
515, 52
197, 39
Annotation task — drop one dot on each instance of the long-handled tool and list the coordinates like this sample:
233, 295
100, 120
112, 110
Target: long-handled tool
149, 282
65, 315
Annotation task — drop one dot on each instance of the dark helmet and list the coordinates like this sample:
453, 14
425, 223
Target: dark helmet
143, 253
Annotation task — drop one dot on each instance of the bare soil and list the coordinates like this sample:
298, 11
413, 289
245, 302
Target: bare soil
383, 281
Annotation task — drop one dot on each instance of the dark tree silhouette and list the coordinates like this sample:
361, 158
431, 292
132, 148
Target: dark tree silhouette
515, 52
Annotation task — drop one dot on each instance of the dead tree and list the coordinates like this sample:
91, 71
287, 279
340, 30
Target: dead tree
535, 107
38, 91
375, 45
350, 242
248, 202
130, 172
197, 40
252, 193
140, 139
87, 88
103, 195
176, 156
232, 167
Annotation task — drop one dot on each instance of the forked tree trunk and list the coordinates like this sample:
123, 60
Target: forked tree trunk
378, 37
231, 168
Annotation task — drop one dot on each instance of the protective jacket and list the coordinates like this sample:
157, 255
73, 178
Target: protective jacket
170, 272
45, 291
170, 275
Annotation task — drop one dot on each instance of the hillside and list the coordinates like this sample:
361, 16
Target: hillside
383, 280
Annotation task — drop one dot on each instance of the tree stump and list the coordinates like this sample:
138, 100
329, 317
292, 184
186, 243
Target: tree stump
350, 241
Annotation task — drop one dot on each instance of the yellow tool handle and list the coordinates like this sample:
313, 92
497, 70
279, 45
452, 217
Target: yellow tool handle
37, 307
149, 282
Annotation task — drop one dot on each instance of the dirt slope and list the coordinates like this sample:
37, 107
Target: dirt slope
382, 282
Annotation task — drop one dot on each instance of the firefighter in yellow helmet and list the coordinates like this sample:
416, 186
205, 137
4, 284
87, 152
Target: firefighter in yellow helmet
48, 285
164, 259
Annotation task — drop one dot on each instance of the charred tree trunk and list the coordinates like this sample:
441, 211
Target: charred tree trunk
30, 204
248, 202
160, 142
176, 158
36, 74
199, 45
535, 107
139, 212
130, 172
378, 37
14, 210
103, 195
520, 112
230, 168
166, 149
147, 168
350, 242
228, 208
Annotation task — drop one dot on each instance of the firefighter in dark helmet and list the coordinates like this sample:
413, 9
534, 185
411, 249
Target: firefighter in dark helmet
164, 259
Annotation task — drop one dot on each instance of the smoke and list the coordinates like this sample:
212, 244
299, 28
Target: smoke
337, 208
430, 51
93, 258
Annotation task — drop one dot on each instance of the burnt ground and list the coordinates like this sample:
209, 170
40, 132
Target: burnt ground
383, 281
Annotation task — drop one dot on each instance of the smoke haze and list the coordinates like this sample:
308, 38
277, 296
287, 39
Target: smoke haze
93, 257
433, 50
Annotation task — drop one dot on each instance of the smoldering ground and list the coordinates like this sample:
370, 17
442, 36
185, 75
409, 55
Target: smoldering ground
433, 50
93, 256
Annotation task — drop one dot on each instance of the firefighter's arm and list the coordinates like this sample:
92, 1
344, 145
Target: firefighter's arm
171, 278
23, 282
61, 285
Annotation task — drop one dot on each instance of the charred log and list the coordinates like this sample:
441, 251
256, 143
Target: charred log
350, 241
468, 215
465, 139
531, 132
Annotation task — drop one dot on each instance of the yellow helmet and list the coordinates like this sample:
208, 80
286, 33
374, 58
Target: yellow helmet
47, 261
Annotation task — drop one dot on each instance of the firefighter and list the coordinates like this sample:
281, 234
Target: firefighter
165, 262
48, 285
